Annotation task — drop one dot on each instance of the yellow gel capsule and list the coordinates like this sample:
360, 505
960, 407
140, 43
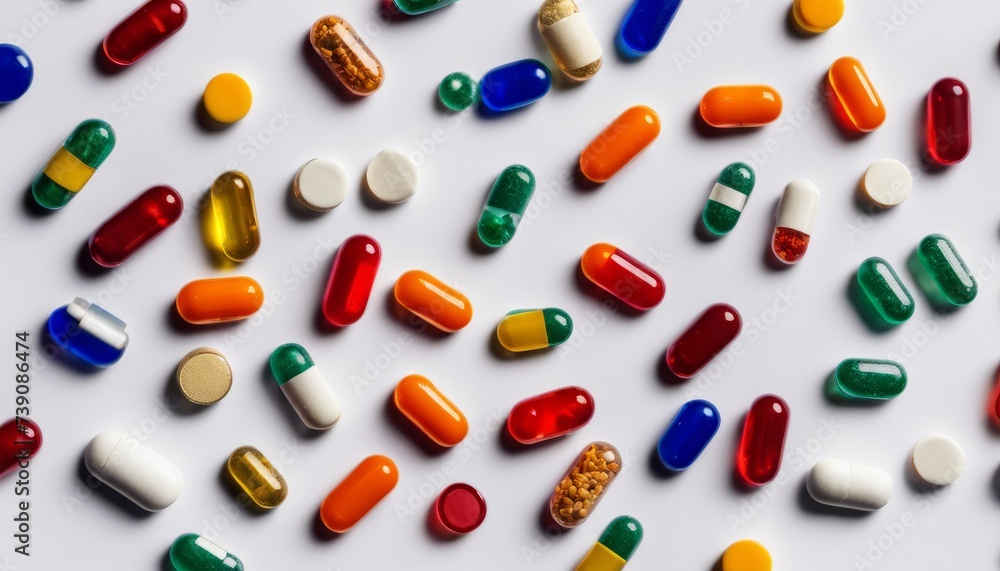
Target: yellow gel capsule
235, 215
258, 478
746, 555
227, 98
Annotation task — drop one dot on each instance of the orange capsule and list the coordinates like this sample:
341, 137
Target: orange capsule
728, 106
856, 94
219, 299
347, 56
421, 402
358, 493
627, 136
433, 301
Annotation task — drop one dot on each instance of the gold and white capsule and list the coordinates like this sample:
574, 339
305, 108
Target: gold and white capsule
570, 38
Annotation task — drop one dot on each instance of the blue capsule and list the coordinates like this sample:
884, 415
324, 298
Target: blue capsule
689, 433
515, 85
16, 72
89, 333
645, 25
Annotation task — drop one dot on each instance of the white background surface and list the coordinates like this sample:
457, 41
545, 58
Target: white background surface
650, 209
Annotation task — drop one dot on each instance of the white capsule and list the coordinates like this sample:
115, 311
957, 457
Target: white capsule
799, 206
850, 485
392, 176
320, 185
133, 470
574, 46
305, 387
938, 459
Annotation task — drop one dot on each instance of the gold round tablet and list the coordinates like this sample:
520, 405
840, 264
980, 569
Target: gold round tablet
204, 376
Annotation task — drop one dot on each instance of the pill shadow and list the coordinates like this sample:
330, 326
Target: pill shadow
925, 162
771, 261
610, 302
864, 204
792, 29
324, 75
32, 208
178, 325
664, 374
295, 208
914, 481
512, 447
85, 264
502, 354
410, 430
656, 467
705, 131
717, 566
229, 485
836, 397
838, 115
388, 12
281, 401
702, 233
324, 327
368, 198
547, 524
995, 485
436, 531
63, 357
992, 424
811, 506
865, 308
165, 563
416, 324
103, 491
105, 66
204, 122
625, 55
580, 181
181, 405
319, 530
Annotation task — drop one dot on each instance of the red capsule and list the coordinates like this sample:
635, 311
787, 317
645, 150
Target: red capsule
135, 224
703, 339
623, 276
351, 280
949, 121
20, 439
550, 415
143, 30
763, 440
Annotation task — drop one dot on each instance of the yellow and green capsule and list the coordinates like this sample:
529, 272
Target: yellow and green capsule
728, 197
505, 205
615, 547
73, 164
531, 329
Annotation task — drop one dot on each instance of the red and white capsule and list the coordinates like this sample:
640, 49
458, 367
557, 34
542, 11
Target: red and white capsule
797, 213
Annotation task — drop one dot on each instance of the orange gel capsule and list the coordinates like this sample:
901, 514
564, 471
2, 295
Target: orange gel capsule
358, 493
219, 299
347, 56
729, 106
856, 94
421, 402
627, 136
433, 301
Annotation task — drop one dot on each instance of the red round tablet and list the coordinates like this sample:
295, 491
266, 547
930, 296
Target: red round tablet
460, 508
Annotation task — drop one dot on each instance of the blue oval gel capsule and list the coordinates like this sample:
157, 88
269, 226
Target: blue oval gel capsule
645, 25
88, 332
16, 72
515, 85
689, 433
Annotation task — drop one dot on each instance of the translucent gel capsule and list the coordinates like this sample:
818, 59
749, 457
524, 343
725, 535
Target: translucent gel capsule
16, 73
798, 209
870, 379
532, 329
623, 276
574, 46
817, 16
514, 85
856, 94
620, 142
347, 56
729, 106
235, 213
141, 31
89, 333
728, 198
69, 169
550, 415
689, 433
703, 339
763, 440
357, 494
255, 474
134, 225
575, 498
219, 299
458, 91
505, 205
615, 547
949, 122
459, 509
192, 552
427, 407
850, 485
351, 279
20, 440
885, 290
414, 7
645, 25
433, 301
305, 387
941, 272
746, 555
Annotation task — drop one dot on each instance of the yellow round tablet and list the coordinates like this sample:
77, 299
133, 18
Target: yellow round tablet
746, 555
204, 376
817, 16
227, 98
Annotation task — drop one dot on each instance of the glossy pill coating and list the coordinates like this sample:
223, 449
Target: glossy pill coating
432, 412
746, 555
16, 73
234, 211
623, 276
227, 98
615, 547
20, 440
572, 42
204, 376
620, 142
458, 91
763, 440
459, 509
351, 279
141, 31
217, 300
88, 332
949, 122
689, 433
798, 209
414, 7
69, 169
134, 225
133, 470
887, 183
392, 176
817, 16
850, 485
728, 198
856, 94
514, 85
347, 56
703, 339
505, 205
550, 415
938, 460
433, 300
255, 474
574, 499
192, 552
367, 485
320, 185
305, 387
645, 25
883, 288
729, 106
943, 274
533, 329
870, 379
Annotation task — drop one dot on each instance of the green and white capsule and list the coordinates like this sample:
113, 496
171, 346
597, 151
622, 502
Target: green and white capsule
305, 387
532, 329
192, 552
69, 169
886, 292
615, 547
505, 205
942, 274
872, 379
728, 197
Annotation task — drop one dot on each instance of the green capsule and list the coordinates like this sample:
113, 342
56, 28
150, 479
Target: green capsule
192, 552
728, 197
458, 91
414, 7
615, 547
942, 274
885, 291
505, 205
69, 169
870, 379
532, 329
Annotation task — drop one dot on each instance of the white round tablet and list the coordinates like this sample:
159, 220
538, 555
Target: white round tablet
938, 460
888, 182
392, 176
321, 185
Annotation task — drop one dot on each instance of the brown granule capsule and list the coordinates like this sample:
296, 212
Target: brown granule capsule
347, 56
584, 484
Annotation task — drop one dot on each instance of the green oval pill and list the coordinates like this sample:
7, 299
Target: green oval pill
870, 379
505, 205
192, 552
950, 280
883, 288
728, 197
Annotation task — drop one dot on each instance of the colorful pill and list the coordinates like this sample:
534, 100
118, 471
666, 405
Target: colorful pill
514, 85
620, 142
392, 176
574, 46
623, 276
887, 183
459, 509
305, 387
993, 405
347, 56
615, 547
320, 185
20, 440
729, 106
219, 299
645, 25
728, 198
763, 440
426, 407
703, 339
856, 94
134, 225
433, 300
367, 485
550, 415
351, 279
870, 379
204, 376
133, 470
192, 552
938, 460
414, 7
141, 31
850, 485
574, 500
69, 169
798, 209
458, 91
746, 555
817, 16
235, 214
227, 98
505, 205
255, 474
949, 122
533, 329
88, 332
885, 290
942, 273
16, 73
689, 433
